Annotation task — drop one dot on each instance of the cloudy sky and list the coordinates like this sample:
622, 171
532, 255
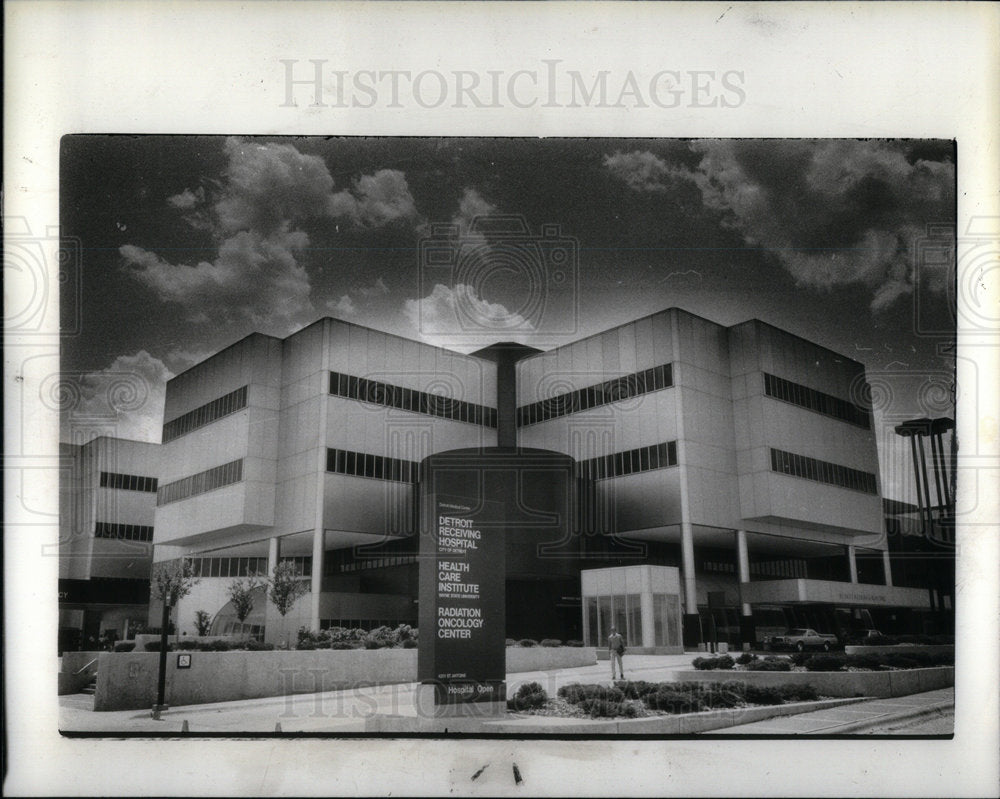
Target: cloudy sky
191, 243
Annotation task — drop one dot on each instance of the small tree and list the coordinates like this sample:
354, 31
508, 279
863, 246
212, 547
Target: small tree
172, 581
203, 621
241, 594
285, 587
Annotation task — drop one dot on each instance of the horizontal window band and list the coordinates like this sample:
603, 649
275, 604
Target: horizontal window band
387, 395
123, 532
205, 414
595, 396
834, 474
816, 401
128, 482
208, 480
365, 464
633, 461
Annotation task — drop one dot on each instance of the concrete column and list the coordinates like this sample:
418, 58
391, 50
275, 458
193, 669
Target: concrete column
887, 566
748, 632
743, 561
316, 582
648, 619
852, 563
692, 623
319, 528
273, 553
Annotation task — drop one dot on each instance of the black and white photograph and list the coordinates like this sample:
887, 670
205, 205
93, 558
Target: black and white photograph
447, 435
479, 399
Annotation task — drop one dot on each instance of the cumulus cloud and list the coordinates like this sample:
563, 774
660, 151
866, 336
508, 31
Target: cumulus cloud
831, 212
641, 170
375, 200
127, 397
253, 278
255, 215
187, 199
460, 312
342, 307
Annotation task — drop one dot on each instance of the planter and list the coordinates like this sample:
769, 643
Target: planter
837, 683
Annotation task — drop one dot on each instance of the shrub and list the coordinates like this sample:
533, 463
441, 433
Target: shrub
675, 700
764, 695
258, 646
709, 664
306, 644
722, 694
342, 645
798, 693
529, 696
575, 693
800, 658
527, 642
900, 661
186, 644
604, 708
551, 642
511, 642
745, 658
154, 646
383, 637
872, 662
409, 643
574, 642
826, 663
771, 663
636, 689
371, 644
124, 646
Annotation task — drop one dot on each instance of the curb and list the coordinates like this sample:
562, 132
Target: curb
887, 718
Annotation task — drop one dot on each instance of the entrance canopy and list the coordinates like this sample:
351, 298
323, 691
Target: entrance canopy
834, 593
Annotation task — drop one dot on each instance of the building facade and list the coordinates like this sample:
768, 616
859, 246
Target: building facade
107, 505
739, 455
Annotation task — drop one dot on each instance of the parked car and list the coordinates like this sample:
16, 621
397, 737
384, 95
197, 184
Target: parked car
802, 638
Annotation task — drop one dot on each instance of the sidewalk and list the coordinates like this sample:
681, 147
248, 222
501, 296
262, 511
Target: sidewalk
852, 719
347, 711
334, 711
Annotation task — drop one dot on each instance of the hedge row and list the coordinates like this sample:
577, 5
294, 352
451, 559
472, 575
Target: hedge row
621, 699
910, 660
528, 642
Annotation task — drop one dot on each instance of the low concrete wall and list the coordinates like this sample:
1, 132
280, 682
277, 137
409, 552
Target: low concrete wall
144, 638
837, 683
72, 662
70, 682
604, 654
898, 649
544, 658
127, 680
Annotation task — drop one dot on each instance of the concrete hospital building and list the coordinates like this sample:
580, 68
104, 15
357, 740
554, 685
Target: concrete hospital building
736, 457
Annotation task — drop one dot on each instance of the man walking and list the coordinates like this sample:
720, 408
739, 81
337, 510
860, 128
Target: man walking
616, 648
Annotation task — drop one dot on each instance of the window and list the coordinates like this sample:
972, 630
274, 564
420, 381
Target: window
581, 399
642, 459
205, 414
362, 464
823, 472
128, 482
220, 476
124, 532
408, 399
817, 401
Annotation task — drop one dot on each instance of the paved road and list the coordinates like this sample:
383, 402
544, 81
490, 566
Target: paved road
939, 723
873, 717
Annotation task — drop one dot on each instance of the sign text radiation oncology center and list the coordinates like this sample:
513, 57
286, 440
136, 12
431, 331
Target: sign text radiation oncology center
457, 536
312, 83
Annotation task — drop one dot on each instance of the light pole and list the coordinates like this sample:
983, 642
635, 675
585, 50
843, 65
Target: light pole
161, 682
